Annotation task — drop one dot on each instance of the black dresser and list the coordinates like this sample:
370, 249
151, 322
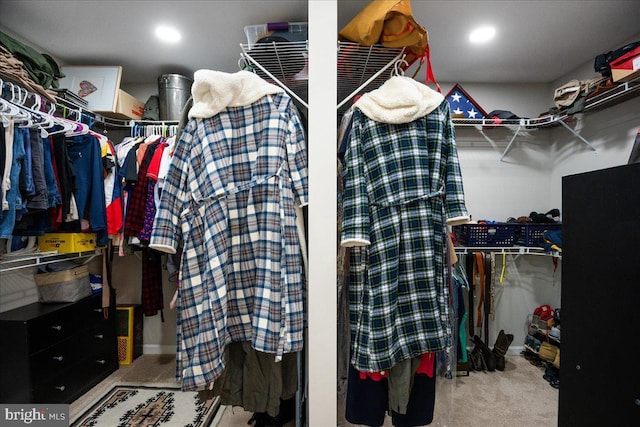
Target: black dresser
53, 353
600, 380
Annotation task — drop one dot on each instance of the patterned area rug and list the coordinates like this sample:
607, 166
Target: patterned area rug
143, 406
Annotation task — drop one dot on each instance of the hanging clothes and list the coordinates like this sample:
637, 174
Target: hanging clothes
85, 155
402, 185
6, 157
66, 176
150, 203
371, 396
33, 218
15, 153
237, 172
112, 186
136, 205
53, 190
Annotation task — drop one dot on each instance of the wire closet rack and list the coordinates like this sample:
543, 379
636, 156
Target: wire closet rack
360, 68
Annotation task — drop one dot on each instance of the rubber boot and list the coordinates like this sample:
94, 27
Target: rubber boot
500, 349
487, 354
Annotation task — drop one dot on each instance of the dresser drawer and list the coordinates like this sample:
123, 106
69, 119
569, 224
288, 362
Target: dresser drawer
56, 352
98, 340
50, 329
88, 313
61, 387
59, 357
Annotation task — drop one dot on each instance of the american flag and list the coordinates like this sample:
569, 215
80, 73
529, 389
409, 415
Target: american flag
462, 105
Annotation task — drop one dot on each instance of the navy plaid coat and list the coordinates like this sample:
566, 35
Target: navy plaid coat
401, 183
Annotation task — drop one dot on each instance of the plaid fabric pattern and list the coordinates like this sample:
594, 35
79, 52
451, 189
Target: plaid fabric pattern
136, 205
149, 212
152, 299
229, 196
401, 182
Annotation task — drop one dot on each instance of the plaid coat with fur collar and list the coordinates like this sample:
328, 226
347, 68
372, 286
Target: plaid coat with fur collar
237, 173
402, 184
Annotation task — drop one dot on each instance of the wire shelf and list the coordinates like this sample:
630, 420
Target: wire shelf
283, 63
619, 93
362, 69
18, 261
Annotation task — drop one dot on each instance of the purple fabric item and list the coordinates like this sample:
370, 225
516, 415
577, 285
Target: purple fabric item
278, 26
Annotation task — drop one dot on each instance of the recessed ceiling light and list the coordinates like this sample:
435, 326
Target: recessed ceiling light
168, 34
482, 34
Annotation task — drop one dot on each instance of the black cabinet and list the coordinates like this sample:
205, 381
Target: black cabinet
53, 353
600, 377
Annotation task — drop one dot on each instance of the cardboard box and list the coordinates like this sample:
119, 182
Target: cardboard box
627, 67
67, 242
127, 107
130, 332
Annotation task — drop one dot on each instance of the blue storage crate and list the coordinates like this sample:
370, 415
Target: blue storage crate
499, 235
533, 233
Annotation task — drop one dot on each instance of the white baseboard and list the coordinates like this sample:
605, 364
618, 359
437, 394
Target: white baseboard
515, 350
158, 349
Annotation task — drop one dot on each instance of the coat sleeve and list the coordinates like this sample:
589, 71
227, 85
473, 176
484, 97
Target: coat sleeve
455, 208
355, 204
297, 158
166, 234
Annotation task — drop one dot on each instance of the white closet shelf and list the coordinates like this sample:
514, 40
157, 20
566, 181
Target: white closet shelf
35, 259
512, 250
619, 93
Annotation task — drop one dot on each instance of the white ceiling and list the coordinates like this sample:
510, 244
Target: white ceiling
537, 41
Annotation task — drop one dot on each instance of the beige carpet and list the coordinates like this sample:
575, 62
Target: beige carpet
516, 397
519, 396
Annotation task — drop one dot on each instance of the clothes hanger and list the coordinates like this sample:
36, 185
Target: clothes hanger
80, 128
13, 105
68, 126
399, 67
41, 119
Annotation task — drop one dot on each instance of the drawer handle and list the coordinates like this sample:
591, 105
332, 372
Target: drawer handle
101, 361
97, 310
56, 327
58, 358
99, 336
60, 387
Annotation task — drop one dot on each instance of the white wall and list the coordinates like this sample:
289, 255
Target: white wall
514, 186
530, 179
612, 131
159, 337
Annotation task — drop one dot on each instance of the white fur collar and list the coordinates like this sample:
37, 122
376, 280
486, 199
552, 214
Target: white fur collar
399, 100
213, 91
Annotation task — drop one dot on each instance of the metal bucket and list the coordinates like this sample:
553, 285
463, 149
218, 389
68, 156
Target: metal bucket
174, 91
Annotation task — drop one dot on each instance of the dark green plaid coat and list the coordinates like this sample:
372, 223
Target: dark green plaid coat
401, 183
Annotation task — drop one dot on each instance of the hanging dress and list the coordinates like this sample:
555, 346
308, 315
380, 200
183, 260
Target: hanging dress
237, 172
402, 184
